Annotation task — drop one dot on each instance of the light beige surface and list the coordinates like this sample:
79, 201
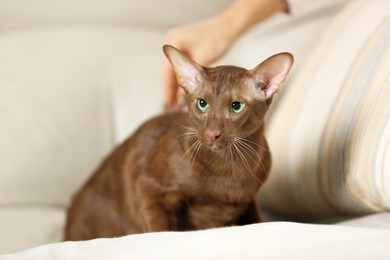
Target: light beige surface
77, 77
277, 240
17, 15
25, 226
378, 220
335, 150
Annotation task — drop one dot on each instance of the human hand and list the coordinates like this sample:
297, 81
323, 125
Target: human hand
208, 40
205, 42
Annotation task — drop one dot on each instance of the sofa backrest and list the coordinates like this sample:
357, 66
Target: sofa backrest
75, 79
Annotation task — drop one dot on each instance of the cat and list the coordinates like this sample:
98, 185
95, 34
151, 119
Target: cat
187, 170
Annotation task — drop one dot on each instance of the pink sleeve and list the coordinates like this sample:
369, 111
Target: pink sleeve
294, 6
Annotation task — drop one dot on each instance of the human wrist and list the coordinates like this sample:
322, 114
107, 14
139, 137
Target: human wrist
233, 25
243, 14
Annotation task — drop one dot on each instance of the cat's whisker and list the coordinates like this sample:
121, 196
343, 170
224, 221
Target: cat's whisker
257, 162
232, 159
184, 154
192, 133
186, 127
250, 149
249, 152
243, 159
254, 143
189, 135
194, 148
197, 148
261, 160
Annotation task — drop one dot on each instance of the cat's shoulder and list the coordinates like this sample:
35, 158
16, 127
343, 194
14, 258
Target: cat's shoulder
166, 120
154, 130
162, 123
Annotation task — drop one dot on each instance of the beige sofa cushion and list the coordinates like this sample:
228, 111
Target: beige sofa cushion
58, 118
51, 125
330, 135
16, 15
25, 226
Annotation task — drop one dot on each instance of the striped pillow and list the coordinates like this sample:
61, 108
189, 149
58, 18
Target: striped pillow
330, 135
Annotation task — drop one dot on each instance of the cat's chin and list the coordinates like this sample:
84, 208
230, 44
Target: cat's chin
215, 147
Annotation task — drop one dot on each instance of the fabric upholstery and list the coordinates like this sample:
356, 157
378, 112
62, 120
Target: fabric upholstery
277, 240
377, 220
17, 15
25, 226
330, 135
78, 78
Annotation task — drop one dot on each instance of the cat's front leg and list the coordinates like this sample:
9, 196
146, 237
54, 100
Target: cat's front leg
151, 213
251, 214
155, 218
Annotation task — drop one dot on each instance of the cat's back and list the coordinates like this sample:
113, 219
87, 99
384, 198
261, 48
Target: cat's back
133, 153
152, 131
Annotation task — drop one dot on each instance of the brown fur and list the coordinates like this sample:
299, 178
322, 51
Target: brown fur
170, 176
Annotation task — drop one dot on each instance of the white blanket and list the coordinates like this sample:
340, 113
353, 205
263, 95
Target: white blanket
275, 240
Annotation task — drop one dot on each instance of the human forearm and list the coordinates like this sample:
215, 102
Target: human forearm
207, 40
243, 14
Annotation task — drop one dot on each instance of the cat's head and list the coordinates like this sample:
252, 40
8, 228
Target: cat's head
228, 102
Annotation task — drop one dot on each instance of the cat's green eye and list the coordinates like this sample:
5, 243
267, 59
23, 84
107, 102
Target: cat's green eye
236, 107
201, 104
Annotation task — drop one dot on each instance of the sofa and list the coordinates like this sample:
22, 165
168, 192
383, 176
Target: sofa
77, 78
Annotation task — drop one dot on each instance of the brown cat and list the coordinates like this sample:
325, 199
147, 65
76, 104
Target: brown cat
187, 171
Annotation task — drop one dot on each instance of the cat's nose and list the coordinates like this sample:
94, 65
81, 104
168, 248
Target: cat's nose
212, 135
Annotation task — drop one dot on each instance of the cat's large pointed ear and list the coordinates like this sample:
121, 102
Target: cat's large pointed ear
269, 75
188, 73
